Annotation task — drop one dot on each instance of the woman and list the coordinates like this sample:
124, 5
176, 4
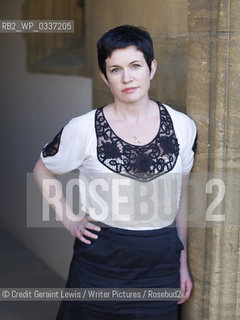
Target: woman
141, 152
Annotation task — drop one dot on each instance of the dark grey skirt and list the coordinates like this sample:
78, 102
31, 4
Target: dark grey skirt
122, 258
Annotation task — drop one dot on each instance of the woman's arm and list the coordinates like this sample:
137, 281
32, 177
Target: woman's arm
181, 222
78, 229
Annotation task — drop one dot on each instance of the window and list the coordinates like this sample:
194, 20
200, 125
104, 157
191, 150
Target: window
62, 53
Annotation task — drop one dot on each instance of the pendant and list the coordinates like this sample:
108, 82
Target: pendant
136, 140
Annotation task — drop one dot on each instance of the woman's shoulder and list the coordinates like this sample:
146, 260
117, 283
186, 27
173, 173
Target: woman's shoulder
184, 126
84, 119
83, 123
177, 116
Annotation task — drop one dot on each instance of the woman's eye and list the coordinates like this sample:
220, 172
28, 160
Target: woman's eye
115, 70
136, 66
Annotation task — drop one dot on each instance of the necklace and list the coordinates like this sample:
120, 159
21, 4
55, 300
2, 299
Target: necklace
136, 140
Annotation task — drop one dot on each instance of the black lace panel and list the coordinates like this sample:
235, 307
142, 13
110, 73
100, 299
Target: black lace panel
52, 148
142, 163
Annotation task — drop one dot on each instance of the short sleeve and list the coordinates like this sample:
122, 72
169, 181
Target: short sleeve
188, 146
66, 152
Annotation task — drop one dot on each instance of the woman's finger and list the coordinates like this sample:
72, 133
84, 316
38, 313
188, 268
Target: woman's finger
183, 290
81, 238
90, 218
92, 226
188, 289
89, 234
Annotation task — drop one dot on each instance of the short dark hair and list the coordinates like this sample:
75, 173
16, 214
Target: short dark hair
122, 37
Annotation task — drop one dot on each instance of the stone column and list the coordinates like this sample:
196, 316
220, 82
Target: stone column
213, 100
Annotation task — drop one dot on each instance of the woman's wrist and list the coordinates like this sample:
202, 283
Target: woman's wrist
183, 259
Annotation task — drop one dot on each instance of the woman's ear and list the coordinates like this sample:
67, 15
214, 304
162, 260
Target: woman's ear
153, 69
104, 78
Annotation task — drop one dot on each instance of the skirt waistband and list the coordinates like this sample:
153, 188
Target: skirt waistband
147, 233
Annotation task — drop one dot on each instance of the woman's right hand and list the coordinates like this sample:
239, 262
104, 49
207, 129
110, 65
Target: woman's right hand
80, 229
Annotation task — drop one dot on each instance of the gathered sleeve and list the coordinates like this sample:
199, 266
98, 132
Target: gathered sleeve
66, 152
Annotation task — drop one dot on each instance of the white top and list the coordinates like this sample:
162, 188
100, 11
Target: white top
116, 199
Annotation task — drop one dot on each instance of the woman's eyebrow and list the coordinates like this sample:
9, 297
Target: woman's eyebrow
135, 61
115, 65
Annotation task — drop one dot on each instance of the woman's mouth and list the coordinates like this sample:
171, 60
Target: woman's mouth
129, 90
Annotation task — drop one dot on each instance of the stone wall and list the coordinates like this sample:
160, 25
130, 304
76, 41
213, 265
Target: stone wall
168, 26
213, 101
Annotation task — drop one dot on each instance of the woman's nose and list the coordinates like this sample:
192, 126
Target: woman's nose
127, 76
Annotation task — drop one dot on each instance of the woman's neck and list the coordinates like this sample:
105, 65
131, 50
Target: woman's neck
133, 112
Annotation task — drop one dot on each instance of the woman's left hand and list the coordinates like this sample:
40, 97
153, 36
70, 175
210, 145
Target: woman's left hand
185, 283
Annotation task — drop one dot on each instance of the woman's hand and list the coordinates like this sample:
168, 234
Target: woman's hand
185, 282
80, 229
181, 222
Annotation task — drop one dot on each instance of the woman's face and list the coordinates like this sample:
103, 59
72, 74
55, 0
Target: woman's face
128, 75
